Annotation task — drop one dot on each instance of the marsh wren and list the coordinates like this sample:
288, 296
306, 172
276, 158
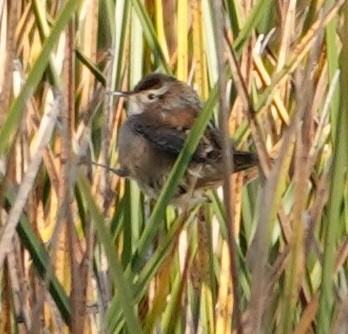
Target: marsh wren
161, 112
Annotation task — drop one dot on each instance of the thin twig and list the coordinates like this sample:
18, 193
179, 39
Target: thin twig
228, 162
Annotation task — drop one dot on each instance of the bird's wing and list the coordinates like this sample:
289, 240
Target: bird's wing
172, 139
165, 139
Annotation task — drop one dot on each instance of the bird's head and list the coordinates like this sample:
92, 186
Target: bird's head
159, 92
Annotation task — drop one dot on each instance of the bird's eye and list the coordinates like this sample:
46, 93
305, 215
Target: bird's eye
151, 96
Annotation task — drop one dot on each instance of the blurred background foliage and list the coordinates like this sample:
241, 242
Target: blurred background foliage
82, 250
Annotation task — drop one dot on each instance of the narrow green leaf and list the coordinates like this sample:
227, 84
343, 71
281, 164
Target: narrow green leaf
16, 110
337, 191
42, 262
150, 34
123, 287
254, 17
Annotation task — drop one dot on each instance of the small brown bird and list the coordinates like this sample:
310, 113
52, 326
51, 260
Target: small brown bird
162, 110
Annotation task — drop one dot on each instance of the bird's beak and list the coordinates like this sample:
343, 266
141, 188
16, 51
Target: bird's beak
119, 93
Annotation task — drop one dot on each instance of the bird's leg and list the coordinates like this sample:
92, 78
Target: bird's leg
118, 171
191, 179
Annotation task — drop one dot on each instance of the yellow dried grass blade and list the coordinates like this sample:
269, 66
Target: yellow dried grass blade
182, 40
